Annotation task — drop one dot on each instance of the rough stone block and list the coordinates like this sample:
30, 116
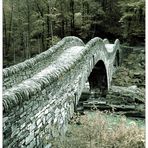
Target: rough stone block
32, 127
40, 125
38, 121
48, 146
23, 114
23, 125
29, 138
32, 144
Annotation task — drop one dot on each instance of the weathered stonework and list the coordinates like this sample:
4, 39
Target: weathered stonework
40, 94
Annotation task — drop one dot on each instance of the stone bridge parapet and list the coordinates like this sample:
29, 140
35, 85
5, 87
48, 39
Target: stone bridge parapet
40, 94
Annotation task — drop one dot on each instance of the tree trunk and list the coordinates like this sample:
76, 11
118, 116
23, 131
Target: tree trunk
42, 15
20, 31
62, 21
39, 46
62, 29
51, 29
72, 16
103, 4
28, 30
93, 34
10, 25
51, 25
48, 26
14, 56
5, 35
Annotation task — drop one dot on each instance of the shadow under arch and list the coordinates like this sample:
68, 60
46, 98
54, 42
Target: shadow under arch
117, 58
98, 79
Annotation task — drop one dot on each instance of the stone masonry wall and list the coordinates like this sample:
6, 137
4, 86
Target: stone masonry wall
39, 108
25, 70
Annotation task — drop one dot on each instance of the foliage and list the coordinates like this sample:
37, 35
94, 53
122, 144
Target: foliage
133, 20
130, 73
30, 26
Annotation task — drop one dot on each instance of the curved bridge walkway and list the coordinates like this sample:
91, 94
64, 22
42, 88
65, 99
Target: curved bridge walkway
39, 94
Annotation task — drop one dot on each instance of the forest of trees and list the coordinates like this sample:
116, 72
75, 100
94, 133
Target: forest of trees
32, 26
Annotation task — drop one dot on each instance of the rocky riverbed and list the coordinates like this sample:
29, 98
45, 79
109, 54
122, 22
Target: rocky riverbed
127, 93
128, 85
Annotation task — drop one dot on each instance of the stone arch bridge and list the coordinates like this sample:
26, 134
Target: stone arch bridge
40, 93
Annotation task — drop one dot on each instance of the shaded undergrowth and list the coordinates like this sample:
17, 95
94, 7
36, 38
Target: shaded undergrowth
97, 132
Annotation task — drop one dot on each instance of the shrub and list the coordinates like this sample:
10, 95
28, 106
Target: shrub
97, 132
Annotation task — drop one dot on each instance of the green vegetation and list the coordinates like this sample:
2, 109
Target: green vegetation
32, 26
132, 70
97, 130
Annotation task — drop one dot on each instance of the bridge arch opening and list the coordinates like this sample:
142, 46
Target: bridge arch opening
98, 79
116, 61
